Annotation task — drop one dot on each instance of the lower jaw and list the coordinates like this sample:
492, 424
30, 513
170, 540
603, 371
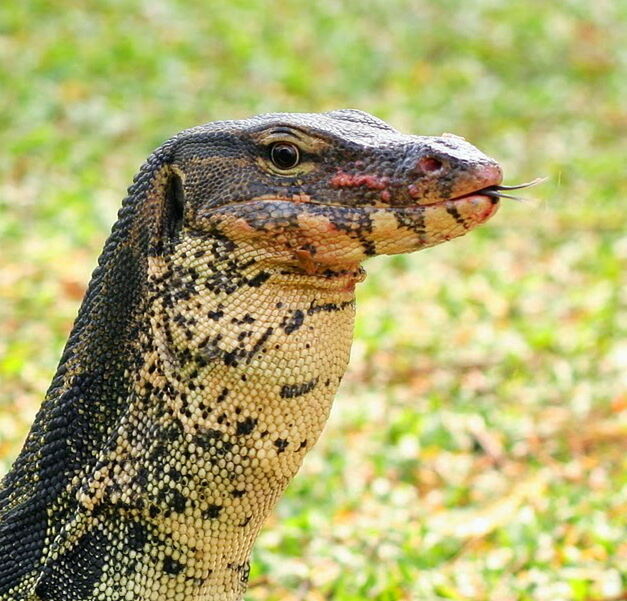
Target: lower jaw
318, 237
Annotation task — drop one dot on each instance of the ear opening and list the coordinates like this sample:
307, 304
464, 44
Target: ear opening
174, 209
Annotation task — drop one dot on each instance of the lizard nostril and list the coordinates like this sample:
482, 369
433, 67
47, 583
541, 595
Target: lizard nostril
430, 164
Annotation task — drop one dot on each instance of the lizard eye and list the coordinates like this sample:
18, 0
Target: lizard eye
284, 155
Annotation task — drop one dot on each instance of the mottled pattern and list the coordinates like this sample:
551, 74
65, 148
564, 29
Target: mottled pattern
209, 346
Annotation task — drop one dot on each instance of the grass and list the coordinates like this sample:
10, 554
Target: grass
477, 447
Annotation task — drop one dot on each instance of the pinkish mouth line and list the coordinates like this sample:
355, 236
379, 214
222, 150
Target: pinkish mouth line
364, 208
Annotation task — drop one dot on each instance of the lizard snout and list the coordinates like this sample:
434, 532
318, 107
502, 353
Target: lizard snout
447, 168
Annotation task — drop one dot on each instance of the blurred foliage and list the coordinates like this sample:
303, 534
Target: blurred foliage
477, 449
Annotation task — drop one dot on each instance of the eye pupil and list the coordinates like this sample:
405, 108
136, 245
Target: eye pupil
284, 155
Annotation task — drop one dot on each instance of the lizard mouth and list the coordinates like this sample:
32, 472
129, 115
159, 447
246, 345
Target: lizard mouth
496, 191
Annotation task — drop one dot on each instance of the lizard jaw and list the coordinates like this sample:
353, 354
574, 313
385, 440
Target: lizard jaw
336, 236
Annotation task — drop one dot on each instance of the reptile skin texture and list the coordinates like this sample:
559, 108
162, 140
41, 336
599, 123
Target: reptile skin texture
211, 341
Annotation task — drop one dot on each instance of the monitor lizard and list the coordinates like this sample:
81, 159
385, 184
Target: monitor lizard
209, 346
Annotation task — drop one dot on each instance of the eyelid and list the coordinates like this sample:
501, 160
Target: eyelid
283, 130
307, 144
282, 136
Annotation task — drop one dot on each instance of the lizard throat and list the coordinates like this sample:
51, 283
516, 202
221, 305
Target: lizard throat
235, 387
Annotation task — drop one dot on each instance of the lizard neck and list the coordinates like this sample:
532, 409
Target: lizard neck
241, 361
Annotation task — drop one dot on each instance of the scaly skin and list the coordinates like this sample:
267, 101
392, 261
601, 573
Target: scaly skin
209, 346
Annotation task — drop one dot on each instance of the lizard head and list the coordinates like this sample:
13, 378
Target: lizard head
178, 320
328, 190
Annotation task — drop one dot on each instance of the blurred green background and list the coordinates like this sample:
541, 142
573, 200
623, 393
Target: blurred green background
477, 449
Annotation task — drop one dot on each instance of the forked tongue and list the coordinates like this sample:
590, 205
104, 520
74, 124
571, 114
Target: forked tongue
496, 191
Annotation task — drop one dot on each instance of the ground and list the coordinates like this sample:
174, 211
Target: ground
477, 448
